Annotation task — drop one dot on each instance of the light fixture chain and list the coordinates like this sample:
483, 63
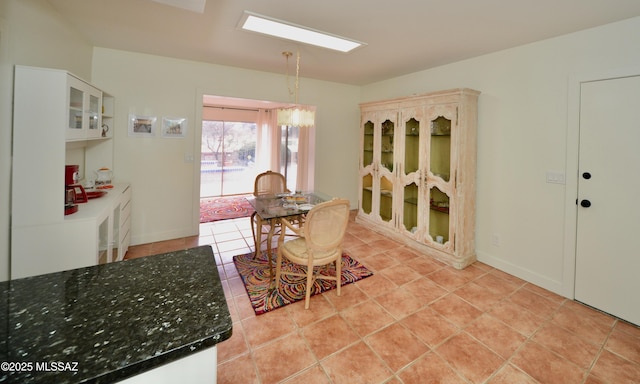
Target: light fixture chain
288, 54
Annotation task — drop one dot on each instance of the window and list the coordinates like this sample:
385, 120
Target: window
227, 160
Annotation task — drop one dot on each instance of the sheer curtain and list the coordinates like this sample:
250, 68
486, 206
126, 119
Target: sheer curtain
306, 156
268, 148
268, 142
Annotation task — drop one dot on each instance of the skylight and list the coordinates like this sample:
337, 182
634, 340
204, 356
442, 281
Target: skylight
284, 30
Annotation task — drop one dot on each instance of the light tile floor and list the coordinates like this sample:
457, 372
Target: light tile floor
415, 321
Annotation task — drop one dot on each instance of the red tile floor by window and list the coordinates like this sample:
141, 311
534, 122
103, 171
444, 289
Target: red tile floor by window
415, 321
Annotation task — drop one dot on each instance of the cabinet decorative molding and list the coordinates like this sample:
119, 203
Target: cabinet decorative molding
417, 177
60, 119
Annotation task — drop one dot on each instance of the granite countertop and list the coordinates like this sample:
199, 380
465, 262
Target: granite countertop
105, 323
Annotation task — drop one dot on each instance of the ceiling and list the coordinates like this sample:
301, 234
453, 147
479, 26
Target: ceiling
402, 36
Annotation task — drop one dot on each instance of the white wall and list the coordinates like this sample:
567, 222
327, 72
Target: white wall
31, 33
522, 133
165, 187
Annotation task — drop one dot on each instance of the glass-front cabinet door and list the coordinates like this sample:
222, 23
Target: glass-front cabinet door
412, 170
387, 165
377, 168
440, 151
438, 215
76, 110
367, 144
367, 168
440, 178
84, 110
94, 111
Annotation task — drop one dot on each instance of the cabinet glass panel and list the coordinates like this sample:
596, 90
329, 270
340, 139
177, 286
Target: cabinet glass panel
367, 145
440, 153
386, 148
410, 209
75, 108
411, 146
367, 193
438, 215
386, 199
103, 242
94, 103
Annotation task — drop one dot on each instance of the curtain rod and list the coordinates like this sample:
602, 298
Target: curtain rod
233, 108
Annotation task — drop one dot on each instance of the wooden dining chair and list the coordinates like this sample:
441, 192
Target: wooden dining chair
266, 183
319, 244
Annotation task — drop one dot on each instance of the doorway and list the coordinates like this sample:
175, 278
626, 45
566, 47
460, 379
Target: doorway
607, 259
240, 138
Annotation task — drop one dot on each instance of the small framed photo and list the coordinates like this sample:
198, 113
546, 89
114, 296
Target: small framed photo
174, 127
142, 126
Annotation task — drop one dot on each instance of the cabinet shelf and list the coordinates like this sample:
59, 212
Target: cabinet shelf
439, 209
411, 200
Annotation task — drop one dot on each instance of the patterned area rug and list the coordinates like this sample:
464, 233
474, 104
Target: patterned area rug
222, 208
255, 276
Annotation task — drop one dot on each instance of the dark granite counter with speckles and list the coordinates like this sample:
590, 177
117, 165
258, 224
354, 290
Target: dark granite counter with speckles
114, 320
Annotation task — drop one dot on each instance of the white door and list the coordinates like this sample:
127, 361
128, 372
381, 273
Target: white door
608, 223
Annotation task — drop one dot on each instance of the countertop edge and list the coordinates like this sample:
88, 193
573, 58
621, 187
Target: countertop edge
162, 359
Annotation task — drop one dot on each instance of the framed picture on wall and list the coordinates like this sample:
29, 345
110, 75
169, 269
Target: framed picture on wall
174, 127
142, 126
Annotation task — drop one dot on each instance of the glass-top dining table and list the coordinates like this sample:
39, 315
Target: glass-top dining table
286, 204
272, 208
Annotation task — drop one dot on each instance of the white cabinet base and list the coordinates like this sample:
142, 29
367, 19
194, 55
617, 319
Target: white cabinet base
76, 241
201, 367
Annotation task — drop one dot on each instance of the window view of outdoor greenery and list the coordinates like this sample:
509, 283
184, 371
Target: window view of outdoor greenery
227, 158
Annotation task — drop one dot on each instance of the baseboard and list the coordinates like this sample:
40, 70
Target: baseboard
522, 273
163, 236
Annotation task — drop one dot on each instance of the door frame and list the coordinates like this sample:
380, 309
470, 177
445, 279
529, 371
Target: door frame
573, 150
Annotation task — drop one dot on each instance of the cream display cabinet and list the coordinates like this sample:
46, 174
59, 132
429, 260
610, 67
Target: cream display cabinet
418, 172
60, 119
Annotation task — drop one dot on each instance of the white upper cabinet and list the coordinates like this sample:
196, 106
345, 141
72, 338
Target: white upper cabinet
85, 110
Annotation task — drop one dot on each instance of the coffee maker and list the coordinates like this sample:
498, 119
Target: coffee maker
73, 192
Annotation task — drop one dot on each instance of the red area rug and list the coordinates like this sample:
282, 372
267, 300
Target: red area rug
223, 208
257, 282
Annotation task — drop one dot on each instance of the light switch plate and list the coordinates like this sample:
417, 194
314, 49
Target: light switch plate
555, 177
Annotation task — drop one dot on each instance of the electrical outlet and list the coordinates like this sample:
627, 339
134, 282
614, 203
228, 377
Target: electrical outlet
495, 240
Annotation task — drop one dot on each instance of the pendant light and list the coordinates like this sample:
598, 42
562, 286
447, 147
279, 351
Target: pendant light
297, 115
